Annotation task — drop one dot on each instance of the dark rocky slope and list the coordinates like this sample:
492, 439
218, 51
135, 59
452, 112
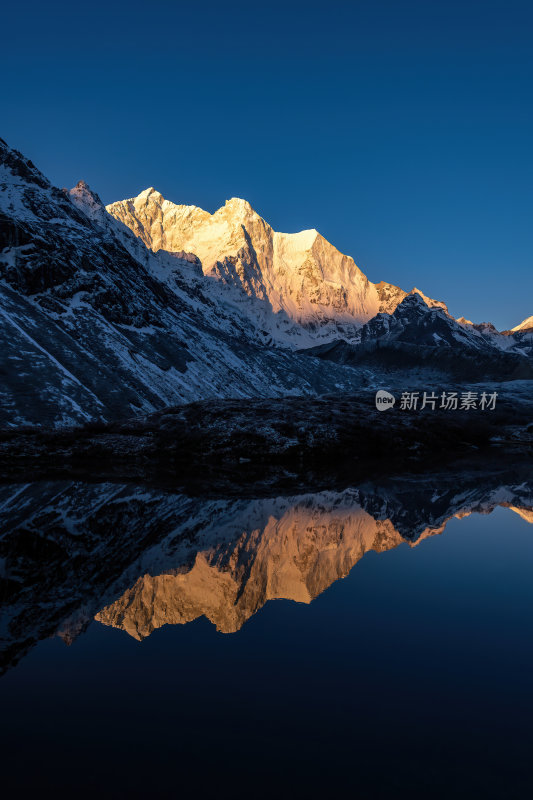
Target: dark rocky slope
416, 337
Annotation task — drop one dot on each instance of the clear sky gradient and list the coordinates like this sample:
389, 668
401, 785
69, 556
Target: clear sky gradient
402, 131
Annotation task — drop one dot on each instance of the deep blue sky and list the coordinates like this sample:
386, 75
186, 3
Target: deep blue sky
403, 131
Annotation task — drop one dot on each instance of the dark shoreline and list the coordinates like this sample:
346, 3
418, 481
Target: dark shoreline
242, 446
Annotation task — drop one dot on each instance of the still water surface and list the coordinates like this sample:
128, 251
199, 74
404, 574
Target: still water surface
404, 666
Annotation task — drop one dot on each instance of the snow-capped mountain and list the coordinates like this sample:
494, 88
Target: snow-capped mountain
111, 313
95, 325
298, 284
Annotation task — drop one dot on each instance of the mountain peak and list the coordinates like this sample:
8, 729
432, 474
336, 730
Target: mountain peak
87, 201
82, 189
526, 325
413, 300
237, 208
430, 302
238, 202
150, 192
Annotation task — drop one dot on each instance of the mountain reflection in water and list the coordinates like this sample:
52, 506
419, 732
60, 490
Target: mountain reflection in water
138, 558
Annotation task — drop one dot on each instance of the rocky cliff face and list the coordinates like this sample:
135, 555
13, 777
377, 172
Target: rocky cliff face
294, 280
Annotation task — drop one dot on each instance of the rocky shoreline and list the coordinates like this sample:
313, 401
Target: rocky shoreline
228, 445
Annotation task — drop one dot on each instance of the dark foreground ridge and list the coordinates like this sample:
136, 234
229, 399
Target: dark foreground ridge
227, 445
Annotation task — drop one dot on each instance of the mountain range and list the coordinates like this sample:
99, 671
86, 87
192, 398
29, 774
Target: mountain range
298, 284
109, 312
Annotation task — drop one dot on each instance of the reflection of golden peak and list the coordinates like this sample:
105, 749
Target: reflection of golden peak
432, 532
295, 557
281, 549
525, 513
